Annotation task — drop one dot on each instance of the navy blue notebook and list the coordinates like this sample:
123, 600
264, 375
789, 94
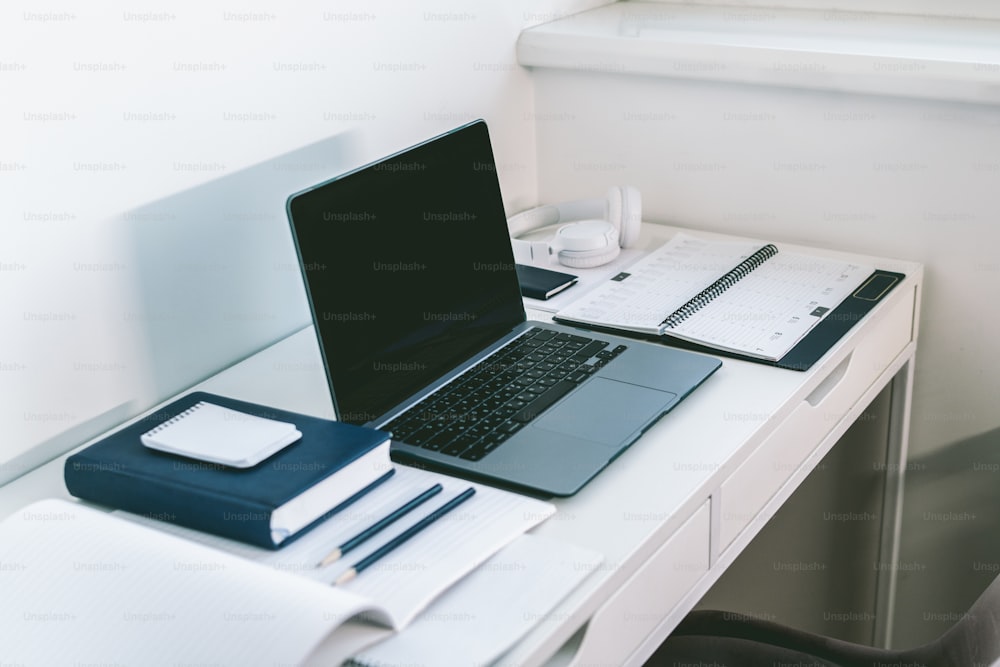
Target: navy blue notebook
269, 504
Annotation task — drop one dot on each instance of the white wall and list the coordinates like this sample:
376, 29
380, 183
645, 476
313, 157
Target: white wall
138, 254
894, 177
905, 178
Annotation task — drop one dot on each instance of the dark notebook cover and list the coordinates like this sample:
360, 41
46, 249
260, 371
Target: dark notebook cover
539, 283
840, 320
120, 472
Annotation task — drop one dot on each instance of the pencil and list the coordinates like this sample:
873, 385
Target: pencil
379, 553
379, 525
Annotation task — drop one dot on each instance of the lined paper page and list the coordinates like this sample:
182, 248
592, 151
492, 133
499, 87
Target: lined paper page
658, 284
523, 582
408, 579
118, 593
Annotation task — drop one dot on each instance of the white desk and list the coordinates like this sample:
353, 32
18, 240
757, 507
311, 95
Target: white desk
676, 509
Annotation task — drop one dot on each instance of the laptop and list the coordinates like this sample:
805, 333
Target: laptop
414, 294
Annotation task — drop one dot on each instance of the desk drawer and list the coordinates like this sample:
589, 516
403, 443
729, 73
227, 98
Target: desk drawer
782, 453
628, 617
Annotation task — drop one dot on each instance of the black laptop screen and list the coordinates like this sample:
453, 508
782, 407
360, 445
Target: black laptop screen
408, 267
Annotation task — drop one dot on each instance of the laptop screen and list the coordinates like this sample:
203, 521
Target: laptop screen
408, 267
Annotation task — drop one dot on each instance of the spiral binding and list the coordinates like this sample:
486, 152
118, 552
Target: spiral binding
730, 278
174, 420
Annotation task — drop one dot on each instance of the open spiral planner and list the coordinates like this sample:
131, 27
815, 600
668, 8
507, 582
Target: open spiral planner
750, 299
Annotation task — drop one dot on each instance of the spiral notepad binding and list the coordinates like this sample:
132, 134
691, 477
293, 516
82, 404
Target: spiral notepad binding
730, 278
173, 420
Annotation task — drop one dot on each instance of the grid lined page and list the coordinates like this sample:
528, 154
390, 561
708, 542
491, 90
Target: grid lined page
646, 293
762, 314
768, 311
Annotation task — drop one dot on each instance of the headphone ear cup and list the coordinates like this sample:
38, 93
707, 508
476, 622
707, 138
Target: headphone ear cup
588, 260
625, 213
587, 243
631, 217
613, 206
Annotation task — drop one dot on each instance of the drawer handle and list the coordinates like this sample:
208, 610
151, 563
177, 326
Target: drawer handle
829, 382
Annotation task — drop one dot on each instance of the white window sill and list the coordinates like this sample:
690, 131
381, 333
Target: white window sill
909, 56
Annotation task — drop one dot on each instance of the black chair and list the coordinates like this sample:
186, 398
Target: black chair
725, 639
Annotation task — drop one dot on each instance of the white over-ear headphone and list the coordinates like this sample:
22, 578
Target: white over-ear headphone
599, 229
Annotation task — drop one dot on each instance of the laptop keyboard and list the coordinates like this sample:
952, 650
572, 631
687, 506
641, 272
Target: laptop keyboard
477, 412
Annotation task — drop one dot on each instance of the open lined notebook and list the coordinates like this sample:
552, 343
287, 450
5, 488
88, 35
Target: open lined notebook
741, 297
126, 589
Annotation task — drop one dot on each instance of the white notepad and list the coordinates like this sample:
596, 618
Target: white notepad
215, 434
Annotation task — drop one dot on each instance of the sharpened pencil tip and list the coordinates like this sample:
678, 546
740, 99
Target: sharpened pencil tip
331, 557
345, 577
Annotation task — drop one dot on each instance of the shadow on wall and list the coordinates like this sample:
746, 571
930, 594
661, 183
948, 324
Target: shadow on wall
218, 276
950, 550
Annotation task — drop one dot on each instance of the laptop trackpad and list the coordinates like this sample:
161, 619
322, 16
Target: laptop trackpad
606, 411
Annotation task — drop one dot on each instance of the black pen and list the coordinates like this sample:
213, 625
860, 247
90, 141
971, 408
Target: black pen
376, 527
368, 560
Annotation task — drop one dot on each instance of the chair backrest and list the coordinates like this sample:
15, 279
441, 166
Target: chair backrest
974, 640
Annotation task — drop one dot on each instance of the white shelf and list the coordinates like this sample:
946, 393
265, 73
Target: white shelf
909, 56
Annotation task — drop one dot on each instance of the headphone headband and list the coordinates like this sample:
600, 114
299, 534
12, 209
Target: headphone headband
552, 214
620, 211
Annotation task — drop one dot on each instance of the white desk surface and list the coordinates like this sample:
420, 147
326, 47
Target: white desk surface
630, 509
